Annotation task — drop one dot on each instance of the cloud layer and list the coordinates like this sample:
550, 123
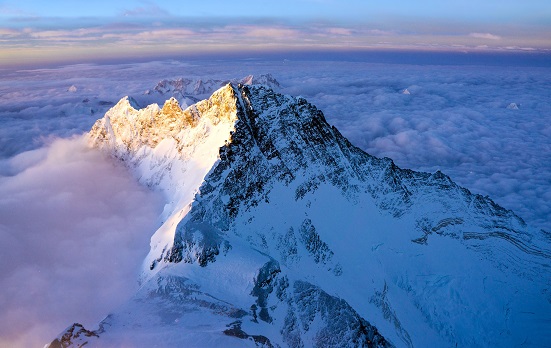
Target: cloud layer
74, 228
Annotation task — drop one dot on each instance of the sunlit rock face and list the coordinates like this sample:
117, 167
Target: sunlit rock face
279, 232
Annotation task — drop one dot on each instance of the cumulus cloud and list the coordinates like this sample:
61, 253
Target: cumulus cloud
268, 32
163, 33
486, 36
8, 32
340, 31
74, 228
380, 32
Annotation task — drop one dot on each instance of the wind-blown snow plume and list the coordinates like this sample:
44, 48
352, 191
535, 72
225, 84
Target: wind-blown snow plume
74, 227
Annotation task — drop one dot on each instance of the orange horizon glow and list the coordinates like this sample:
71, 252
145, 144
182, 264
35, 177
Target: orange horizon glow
71, 41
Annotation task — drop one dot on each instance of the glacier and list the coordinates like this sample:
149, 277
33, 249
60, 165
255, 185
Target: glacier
277, 231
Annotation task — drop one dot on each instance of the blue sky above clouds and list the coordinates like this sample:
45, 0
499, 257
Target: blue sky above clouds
37, 31
501, 11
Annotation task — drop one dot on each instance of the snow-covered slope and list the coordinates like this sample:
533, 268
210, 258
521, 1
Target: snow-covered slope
168, 148
279, 232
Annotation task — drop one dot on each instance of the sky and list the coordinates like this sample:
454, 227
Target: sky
34, 32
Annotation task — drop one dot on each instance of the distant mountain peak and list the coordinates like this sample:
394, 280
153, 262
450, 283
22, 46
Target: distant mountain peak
199, 87
128, 103
279, 232
513, 106
266, 80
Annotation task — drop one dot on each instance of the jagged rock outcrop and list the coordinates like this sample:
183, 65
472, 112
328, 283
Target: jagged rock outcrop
75, 336
279, 232
193, 90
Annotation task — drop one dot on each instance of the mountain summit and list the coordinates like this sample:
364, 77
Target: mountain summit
279, 232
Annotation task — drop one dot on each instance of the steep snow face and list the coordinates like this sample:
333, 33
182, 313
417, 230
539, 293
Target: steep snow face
297, 238
168, 148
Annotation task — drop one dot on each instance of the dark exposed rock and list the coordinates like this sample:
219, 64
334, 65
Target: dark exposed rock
343, 326
279, 138
263, 286
236, 331
74, 336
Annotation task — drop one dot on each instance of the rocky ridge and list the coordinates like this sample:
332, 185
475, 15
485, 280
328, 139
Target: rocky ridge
189, 91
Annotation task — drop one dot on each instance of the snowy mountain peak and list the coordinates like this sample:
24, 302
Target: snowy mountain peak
266, 80
513, 106
279, 232
198, 87
190, 91
128, 128
127, 102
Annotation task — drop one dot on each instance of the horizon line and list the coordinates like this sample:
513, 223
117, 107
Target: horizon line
391, 55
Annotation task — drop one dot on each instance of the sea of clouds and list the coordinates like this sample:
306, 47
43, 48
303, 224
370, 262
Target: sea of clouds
74, 229
75, 225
